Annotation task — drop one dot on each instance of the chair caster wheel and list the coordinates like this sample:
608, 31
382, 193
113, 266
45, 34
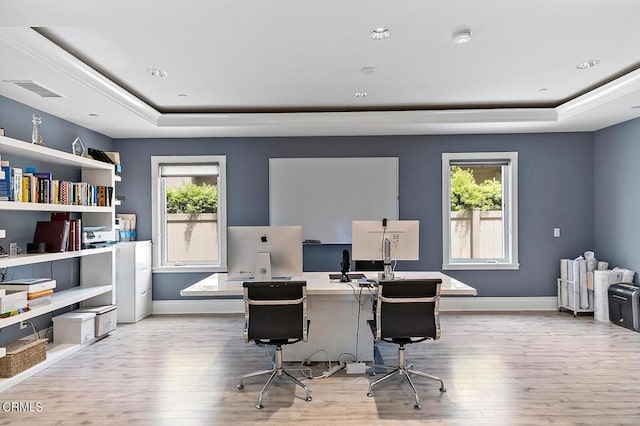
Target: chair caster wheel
241, 386
308, 399
369, 394
259, 406
443, 389
417, 407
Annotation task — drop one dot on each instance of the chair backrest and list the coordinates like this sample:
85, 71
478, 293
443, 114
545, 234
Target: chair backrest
408, 308
275, 310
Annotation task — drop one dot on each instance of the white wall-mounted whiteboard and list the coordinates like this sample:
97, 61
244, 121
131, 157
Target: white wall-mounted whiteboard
325, 194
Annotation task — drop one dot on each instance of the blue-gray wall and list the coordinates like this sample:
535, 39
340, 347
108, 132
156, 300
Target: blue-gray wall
555, 190
15, 118
617, 200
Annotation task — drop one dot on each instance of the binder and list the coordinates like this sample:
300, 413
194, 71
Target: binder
54, 234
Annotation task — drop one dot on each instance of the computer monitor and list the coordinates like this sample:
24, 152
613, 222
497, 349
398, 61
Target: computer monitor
368, 238
264, 253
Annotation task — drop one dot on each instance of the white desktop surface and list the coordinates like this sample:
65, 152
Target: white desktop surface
318, 283
338, 311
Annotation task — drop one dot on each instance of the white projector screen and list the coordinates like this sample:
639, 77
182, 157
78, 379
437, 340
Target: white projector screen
325, 194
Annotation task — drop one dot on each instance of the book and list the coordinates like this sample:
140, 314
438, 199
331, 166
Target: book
5, 182
26, 187
78, 233
55, 234
44, 184
30, 285
38, 294
44, 300
16, 182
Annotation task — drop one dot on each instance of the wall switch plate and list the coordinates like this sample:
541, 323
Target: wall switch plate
13, 249
3, 233
556, 232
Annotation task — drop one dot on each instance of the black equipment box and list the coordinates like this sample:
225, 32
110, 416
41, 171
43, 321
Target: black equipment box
624, 306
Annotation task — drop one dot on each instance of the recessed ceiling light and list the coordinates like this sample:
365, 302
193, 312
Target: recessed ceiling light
462, 37
368, 70
155, 72
380, 34
361, 95
183, 95
588, 64
93, 115
635, 107
542, 90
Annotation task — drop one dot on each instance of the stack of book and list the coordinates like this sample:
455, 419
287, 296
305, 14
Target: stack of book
39, 290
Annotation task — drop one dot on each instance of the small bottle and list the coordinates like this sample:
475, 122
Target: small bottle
36, 136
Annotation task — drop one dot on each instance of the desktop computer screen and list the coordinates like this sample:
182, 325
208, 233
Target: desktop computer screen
264, 253
368, 239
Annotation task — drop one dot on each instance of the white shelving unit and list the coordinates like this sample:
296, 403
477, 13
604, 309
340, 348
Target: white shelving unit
97, 266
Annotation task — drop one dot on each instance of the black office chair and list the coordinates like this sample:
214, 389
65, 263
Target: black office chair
406, 311
275, 314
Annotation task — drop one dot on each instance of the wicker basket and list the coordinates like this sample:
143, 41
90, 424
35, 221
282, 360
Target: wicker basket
21, 355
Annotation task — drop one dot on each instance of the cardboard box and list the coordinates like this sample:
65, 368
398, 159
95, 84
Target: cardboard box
106, 318
74, 327
12, 301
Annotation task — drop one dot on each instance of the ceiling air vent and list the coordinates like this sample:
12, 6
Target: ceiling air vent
36, 88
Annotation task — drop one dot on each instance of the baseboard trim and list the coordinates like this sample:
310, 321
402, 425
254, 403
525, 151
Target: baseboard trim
499, 303
230, 306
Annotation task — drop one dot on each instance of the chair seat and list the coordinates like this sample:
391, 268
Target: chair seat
279, 342
396, 340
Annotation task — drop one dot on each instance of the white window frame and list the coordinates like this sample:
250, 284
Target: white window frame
510, 211
158, 211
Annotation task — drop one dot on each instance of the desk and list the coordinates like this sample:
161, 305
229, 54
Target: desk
338, 311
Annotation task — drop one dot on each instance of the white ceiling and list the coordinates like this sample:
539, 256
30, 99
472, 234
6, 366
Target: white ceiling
292, 67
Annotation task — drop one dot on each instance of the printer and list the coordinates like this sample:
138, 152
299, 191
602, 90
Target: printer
623, 305
97, 236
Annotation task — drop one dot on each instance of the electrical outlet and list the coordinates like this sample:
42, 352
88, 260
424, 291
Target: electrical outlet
23, 325
556, 232
13, 249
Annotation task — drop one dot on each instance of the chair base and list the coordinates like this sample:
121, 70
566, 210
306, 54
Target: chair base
404, 370
276, 371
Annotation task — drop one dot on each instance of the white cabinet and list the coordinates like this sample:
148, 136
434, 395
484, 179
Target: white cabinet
133, 280
97, 266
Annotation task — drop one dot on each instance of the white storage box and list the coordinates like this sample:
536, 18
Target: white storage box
12, 301
74, 327
106, 318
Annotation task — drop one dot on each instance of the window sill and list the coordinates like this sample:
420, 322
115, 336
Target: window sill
187, 269
480, 266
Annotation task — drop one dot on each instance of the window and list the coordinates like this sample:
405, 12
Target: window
480, 210
189, 213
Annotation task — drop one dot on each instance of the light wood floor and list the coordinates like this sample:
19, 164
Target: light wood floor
499, 369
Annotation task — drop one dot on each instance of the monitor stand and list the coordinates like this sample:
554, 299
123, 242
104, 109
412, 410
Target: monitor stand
387, 273
263, 267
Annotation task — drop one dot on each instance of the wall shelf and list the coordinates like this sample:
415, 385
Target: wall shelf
46, 207
55, 353
31, 258
97, 266
59, 299
14, 147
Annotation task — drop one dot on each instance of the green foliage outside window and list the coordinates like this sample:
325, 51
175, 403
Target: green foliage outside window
467, 195
192, 199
